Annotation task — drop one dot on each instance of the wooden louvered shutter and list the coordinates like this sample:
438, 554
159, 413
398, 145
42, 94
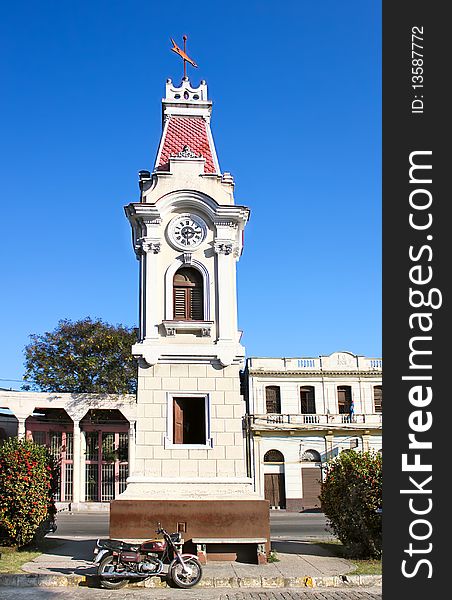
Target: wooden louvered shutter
188, 295
272, 399
180, 302
196, 304
378, 398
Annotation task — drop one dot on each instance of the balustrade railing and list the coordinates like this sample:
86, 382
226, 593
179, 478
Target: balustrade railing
314, 419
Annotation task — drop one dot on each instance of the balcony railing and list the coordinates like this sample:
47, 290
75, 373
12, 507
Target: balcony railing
314, 419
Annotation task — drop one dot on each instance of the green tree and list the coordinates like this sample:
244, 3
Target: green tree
28, 477
85, 356
351, 494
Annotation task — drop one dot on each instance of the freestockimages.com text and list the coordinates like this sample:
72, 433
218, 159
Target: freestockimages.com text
423, 299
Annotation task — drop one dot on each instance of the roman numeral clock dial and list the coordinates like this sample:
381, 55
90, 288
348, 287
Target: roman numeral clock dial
186, 232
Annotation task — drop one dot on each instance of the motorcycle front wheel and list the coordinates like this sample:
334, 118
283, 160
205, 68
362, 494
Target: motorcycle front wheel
106, 567
189, 578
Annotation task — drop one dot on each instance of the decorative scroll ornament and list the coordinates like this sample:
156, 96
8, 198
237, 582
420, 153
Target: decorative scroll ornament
223, 247
186, 152
148, 246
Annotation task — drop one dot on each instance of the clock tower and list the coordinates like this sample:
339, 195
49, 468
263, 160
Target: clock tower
189, 469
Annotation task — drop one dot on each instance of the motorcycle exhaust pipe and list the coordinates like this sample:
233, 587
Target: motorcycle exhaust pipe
128, 575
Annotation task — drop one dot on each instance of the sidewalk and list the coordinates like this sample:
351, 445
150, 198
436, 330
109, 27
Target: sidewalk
67, 562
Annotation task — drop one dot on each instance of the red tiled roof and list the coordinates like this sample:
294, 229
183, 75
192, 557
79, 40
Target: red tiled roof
190, 131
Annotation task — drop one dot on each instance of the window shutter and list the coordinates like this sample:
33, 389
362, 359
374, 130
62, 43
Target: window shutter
378, 398
196, 308
178, 420
272, 399
307, 400
344, 398
188, 295
179, 303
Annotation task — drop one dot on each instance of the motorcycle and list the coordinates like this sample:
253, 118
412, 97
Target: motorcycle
119, 562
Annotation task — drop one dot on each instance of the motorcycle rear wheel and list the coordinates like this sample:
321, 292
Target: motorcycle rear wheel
185, 580
106, 566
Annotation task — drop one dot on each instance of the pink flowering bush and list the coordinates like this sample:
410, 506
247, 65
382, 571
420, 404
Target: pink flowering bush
27, 481
351, 494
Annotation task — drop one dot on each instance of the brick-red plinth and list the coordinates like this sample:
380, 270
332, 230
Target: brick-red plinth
225, 519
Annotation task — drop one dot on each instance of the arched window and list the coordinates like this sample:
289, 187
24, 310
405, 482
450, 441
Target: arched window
188, 295
273, 399
344, 399
307, 398
311, 456
378, 398
274, 456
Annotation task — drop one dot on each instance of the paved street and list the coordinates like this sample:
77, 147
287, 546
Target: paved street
194, 594
284, 526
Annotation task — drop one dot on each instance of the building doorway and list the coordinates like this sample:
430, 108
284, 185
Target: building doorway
52, 427
311, 477
107, 454
274, 479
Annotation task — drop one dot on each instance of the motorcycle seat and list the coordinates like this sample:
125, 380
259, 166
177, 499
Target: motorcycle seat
118, 545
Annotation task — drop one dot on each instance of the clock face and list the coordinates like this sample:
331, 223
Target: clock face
186, 231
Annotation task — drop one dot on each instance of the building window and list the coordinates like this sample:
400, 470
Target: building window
188, 421
273, 456
189, 424
273, 399
307, 397
188, 295
378, 398
344, 399
311, 456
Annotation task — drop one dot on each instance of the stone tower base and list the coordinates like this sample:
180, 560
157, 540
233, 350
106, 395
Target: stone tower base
231, 525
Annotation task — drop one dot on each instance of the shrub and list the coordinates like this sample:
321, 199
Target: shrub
350, 497
27, 482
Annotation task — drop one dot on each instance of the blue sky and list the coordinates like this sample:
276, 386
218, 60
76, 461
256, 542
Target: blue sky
296, 120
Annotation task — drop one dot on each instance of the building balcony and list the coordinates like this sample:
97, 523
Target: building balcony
203, 328
273, 421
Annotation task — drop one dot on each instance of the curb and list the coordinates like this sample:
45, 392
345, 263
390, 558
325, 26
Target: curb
32, 580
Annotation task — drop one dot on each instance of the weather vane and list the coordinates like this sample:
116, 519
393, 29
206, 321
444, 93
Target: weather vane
183, 54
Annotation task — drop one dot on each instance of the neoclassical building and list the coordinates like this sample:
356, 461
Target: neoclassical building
301, 412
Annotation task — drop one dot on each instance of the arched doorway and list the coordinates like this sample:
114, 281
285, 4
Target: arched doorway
274, 479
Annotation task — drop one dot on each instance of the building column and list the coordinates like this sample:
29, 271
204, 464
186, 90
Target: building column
225, 301
132, 443
365, 438
150, 280
258, 467
77, 464
82, 466
21, 427
329, 440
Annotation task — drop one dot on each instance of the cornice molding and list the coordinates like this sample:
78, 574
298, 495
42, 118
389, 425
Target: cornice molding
256, 372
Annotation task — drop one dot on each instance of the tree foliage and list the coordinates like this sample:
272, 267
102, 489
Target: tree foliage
28, 478
351, 494
85, 356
